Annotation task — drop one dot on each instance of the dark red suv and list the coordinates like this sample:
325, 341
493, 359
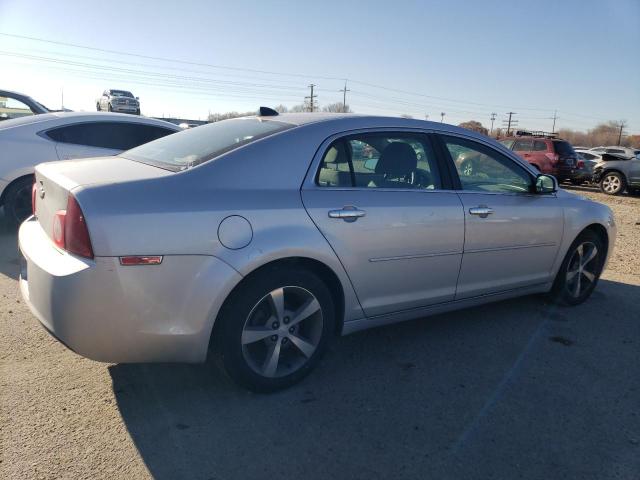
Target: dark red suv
547, 153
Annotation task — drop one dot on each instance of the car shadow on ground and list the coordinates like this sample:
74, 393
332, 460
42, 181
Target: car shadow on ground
9, 260
472, 394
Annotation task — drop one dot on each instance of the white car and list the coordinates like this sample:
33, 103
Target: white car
28, 141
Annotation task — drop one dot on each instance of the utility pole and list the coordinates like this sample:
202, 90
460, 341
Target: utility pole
555, 117
510, 122
426, 117
493, 117
623, 124
312, 97
442, 114
344, 97
62, 98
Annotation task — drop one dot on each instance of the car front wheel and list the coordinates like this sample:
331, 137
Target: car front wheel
580, 270
17, 203
274, 328
612, 183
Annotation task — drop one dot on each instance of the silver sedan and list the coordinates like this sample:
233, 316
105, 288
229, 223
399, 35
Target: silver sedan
259, 239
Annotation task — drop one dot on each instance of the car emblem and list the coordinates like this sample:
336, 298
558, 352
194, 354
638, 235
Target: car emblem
41, 191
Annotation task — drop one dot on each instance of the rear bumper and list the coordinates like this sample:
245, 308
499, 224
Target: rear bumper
124, 108
110, 313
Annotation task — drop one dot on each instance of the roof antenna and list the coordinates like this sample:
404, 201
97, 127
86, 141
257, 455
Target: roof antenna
267, 112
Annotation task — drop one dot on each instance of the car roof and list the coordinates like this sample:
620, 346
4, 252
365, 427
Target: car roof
72, 117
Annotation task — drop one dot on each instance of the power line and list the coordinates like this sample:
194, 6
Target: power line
311, 98
344, 97
510, 122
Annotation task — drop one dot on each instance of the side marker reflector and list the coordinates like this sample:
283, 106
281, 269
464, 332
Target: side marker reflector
141, 260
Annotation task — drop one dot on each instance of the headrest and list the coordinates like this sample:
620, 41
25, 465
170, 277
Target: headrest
398, 158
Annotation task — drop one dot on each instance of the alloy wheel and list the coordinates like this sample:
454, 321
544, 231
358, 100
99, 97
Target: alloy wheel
282, 331
582, 269
611, 184
467, 169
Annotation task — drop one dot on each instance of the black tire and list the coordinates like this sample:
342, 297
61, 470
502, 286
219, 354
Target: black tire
17, 200
109, 108
576, 182
563, 290
138, 112
97, 106
608, 183
237, 312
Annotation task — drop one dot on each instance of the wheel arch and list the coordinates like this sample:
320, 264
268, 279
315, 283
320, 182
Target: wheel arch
10, 184
321, 269
599, 230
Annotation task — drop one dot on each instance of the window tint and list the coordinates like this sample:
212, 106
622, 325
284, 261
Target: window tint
198, 145
540, 146
380, 161
523, 145
12, 108
614, 150
113, 135
564, 148
483, 169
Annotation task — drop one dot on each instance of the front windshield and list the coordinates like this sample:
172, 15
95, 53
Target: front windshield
121, 93
198, 145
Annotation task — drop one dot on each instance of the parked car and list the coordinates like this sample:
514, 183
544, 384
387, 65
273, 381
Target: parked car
616, 173
258, 239
118, 101
547, 153
624, 151
16, 105
584, 169
27, 141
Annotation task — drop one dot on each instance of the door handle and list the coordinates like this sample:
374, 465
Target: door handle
481, 211
348, 213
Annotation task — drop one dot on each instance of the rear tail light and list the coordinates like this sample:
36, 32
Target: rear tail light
552, 156
34, 191
580, 164
70, 230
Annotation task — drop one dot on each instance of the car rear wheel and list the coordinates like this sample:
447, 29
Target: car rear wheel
274, 328
97, 106
17, 204
612, 183
109, 108
580, 270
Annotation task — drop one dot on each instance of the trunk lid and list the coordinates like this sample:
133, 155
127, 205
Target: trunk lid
55, 180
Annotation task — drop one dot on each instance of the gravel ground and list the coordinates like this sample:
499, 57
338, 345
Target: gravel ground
517, 389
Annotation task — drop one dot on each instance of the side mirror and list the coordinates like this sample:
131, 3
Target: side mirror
546, 184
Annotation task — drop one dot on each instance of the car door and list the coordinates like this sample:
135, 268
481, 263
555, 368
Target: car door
524, 147
512, 236
382, 203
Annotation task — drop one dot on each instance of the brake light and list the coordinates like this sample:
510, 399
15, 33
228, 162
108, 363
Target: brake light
580, 164
34, 191
70, 230
554, 157
76, 233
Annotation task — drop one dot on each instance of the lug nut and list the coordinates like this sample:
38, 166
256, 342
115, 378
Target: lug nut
292, 329
285, 340
274, 337
275, 325
286, 320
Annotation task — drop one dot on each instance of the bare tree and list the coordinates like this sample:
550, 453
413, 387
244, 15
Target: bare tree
337, 107
299, 108
474, 126
281, 109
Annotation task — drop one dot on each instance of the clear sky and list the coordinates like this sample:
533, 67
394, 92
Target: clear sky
464, 58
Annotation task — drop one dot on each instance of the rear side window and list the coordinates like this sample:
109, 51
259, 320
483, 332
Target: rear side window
380, 161
539, 146
112, 135
198, 145
563, 148
523, 145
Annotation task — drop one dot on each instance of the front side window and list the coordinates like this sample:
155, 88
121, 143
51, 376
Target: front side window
12, 108
482, 169
403, 161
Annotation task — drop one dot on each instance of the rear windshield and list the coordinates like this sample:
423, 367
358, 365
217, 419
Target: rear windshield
198, 145
563, 148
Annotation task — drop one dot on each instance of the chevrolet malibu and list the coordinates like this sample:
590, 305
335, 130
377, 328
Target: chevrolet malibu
257, 240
